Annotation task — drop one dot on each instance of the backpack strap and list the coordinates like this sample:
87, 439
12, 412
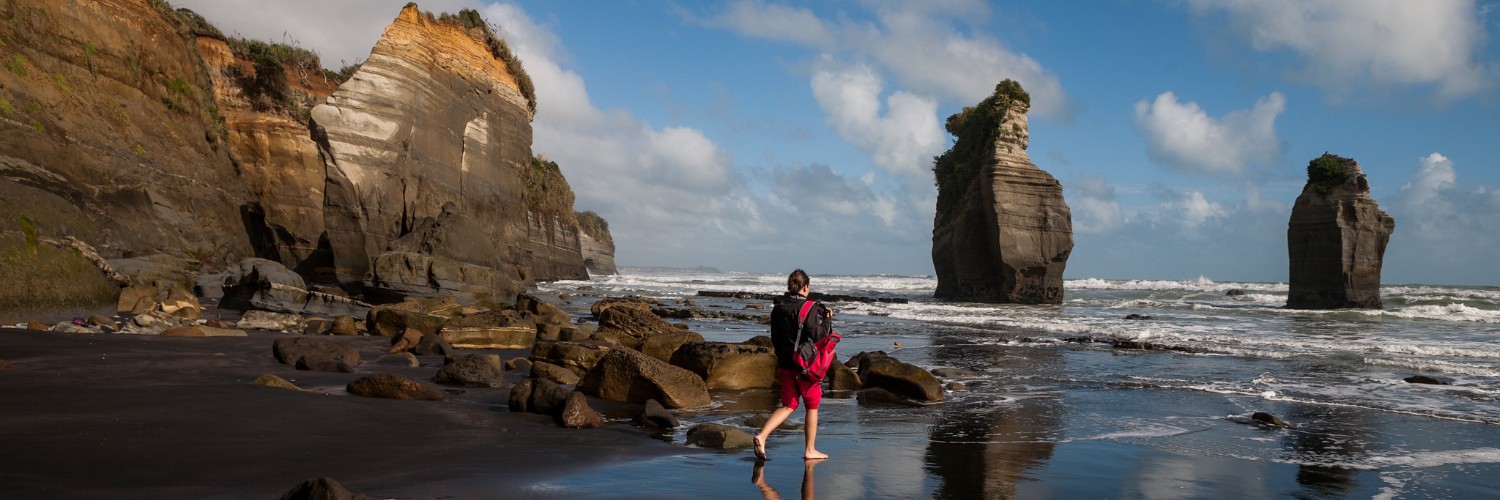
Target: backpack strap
802, 321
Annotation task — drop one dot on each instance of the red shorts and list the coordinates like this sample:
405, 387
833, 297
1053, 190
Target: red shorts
794, 387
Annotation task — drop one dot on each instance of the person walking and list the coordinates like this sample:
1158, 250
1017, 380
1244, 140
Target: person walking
785, 323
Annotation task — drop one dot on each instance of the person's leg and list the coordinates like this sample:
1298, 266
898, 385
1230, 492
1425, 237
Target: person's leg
777, 417
812, 452
808, 490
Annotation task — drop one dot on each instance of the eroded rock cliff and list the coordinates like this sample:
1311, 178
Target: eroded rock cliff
142, 129
598, 246
1002, 232
1336, 239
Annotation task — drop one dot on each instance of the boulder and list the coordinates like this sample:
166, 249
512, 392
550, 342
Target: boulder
210, 286
153, 323
495, 337
549, 371
759, 420
405, 359
270, 380
1234, 293
759, 340
267, 320
663, 345
728, 366
627, 302
202, 331
632, 326
36, 326
102, 321
1002, 231
876, 396
843, 378
905, 379
344, 325
544, 312
406, 341
580, 355
718, 437
577, 414
316, 326
322, 488
540, 396
316, 354
472, 370
954, 387
390, 320
136, 299
181, 303
1267, 419
433, 345
1428, 379
626, 375
265, 285
1336, 239
393, 386
654, 415
947, 372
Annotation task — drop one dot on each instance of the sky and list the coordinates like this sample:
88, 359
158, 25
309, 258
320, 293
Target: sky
759, 136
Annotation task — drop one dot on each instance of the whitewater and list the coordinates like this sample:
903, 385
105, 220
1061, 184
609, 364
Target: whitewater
1183, 381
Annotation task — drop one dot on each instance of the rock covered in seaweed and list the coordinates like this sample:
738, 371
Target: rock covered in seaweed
1002, 232
1336, 239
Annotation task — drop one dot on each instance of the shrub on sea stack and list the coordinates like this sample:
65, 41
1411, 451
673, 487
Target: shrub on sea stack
626, 375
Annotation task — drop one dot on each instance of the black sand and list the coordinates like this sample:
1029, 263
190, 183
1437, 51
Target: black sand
125, 416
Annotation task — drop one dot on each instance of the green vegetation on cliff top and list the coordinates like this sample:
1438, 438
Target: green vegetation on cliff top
1327, 171
595, 226
470, 20
547, 191
975, 128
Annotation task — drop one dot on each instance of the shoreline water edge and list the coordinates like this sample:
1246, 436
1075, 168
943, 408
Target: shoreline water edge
1042, 402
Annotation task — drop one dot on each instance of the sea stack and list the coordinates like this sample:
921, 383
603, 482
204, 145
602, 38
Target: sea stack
1336, 239
1002, 232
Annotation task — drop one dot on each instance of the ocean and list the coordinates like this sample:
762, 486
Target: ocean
1075, 400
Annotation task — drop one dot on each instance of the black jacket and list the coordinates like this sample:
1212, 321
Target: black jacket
784, 326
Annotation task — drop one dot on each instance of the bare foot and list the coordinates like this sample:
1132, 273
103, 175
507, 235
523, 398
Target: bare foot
814, 455
760, 447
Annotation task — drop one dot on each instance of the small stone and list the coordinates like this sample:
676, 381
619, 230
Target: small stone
405, 359
1425, 379
1234, 293
36, 326
655, 415
267, 320
103, 321
577, 414
718, 437
270, 380
1268, 419
955, 387
405, 341
344, 325
393, 386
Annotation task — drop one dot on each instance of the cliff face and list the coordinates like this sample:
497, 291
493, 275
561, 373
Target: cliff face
142, 130
598, 245
1336, 239
1003, 232
105, 108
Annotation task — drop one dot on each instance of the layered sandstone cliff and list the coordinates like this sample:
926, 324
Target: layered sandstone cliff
142, 130
1336, 239
598, 246
1003, 231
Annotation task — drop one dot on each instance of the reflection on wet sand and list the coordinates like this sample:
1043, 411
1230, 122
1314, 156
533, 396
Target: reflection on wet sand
981, 449
1329, 436
758, 476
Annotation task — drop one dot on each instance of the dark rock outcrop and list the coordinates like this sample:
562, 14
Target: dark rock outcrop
654, 415
899, 377
627, 375
577, 414
540, 396
393, 386
1002, 232
323, 488
597, 245
316, 354
1336, 239
472, 370
728, 366
718, 437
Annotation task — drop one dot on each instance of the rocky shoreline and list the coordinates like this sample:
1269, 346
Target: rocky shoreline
536, 387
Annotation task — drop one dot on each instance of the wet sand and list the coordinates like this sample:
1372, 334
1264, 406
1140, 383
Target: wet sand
127, 416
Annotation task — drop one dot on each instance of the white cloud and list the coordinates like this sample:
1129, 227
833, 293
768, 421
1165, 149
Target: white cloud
1445, 230
1183, 135
1349, 44
916, 43
1193, 209
1434, 175
1094, 205
902, 142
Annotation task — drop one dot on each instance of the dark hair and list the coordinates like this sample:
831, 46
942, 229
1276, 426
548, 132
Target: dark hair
796, 281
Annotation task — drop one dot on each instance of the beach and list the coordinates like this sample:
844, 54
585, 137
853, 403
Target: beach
1040, 413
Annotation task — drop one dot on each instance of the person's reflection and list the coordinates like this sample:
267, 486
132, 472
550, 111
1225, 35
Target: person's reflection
758, 476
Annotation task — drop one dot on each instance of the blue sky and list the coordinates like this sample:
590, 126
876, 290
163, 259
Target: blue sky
760, 136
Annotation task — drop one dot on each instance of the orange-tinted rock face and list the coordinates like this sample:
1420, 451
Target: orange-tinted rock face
105, 104
1009, 238
431, 119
